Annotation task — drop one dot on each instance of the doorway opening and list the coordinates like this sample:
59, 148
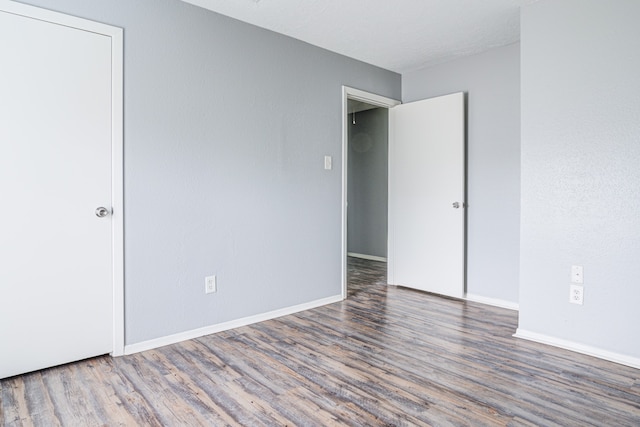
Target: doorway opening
367, 179
364, 180
367, 195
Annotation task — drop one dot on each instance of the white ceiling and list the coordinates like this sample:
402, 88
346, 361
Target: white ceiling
399, 35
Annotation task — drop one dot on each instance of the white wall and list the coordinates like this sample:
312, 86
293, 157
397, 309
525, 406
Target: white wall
492, 83
226, 129
581, 172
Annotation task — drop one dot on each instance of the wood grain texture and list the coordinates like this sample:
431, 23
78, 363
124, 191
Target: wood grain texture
385, 356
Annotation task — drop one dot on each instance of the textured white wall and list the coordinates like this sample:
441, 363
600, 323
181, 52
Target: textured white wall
492, 83
581, 171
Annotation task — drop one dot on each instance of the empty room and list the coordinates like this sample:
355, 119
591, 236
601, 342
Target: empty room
279, 213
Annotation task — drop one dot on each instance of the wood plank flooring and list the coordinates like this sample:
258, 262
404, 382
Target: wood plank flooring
386, 356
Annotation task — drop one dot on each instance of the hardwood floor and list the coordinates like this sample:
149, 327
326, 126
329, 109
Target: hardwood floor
385, 356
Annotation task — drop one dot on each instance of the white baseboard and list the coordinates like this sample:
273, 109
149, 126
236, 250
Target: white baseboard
212, 329
493, 301
369, 257
622, 359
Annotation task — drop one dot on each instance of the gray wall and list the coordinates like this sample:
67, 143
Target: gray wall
368, 182
581, 171
226, 127
492, 83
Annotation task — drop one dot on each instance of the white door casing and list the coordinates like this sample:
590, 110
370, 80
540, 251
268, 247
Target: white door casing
426, 245
61, 271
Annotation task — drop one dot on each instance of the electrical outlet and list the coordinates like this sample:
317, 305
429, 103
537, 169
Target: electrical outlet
210, 285
576, 294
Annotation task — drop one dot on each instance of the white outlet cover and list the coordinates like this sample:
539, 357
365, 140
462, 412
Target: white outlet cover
576, 294
210, 285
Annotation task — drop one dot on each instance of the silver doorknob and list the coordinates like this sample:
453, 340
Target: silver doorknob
456, 205
101, 212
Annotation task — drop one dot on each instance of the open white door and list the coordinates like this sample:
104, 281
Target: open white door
427, 194
60, 181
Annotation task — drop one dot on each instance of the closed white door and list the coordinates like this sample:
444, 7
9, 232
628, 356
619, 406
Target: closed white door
426, 195
56, 284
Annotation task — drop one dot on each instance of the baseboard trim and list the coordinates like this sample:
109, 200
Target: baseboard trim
369, 257
225, 326
493, 301
622, 359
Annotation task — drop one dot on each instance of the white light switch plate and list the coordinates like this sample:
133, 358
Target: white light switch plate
577, 274
327, 163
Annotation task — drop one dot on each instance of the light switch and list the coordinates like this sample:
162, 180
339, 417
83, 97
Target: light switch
577, 275
327, 163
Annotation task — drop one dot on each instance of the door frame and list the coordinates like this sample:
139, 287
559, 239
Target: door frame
117, 144
373, 99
